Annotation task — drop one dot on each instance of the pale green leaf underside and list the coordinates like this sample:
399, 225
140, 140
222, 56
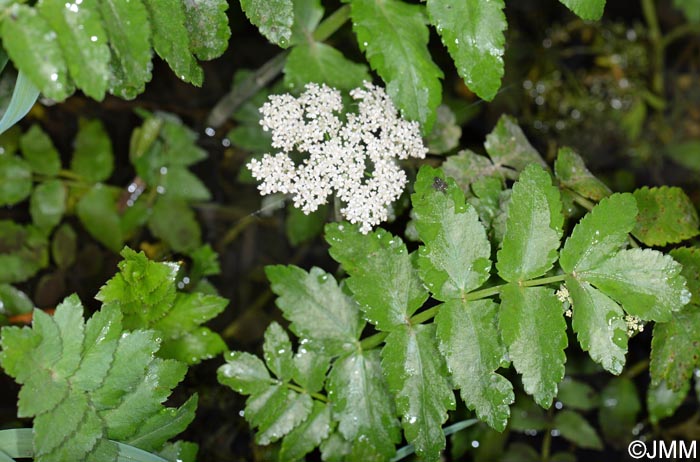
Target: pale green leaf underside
645, 282
591, 10
321, 63
362, 405
534, 331
317, 308
394, 37
456, 255
599, 323
274, 19
417, 377
572, 172
675, 349
599, 234
533, 227
472, 31
508, 146
471, 344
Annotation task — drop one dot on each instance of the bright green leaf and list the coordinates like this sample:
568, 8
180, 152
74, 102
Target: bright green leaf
471, 344
576, 429
387, 287
24, 251
666, 216
675, 349
207, 24
533, 227
277, 351
129, 32
193, 346
362, 405
571, 171
31, 44
316, 307
15, 180
275, 412
599, 323
472, 31
507, 146
39, 151
274, 19
645, 282
417, 377
173, 221
245, 373
93, 158
186, 311
321, 63
599, 234
161, 426
394, 37
308, 435
663, 402
456, 255
619, 406
47, 204
590, 10
533, 328
171, 39
83, 41
97, 211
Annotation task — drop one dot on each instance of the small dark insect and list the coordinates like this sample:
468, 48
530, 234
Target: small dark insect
439, 184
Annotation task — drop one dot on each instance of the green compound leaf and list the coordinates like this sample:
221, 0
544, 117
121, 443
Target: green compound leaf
662, 401
93, 158
533, 227
599, 323
274, 18
277, 351
47, 204
689, 257
619, 406
145, 293
600, 233
533, 328
387, 285
173, 221
645, 282
87, 384
456, 255
675, 349
97, 211
690, 8
316, 307
417, 377
129, 35
15, 180
39, 151
471, 344
362, 405
507, 146
24, 251
590, 10
83, 41
472, 31
394, 37
31, 44
245, 373
666, 216
576, 429
308, 435
207, 24
171, 39
572, 173
321, 63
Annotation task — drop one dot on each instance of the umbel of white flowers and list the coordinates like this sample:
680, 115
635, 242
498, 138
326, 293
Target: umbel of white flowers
354, 159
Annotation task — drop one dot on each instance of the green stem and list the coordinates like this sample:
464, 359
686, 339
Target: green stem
299, 389
679, 32
332, 23
547, 440
637, 369
657, 43
582, 201
377, 339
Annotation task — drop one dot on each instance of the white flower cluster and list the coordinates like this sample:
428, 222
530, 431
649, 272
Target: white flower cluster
354, 158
